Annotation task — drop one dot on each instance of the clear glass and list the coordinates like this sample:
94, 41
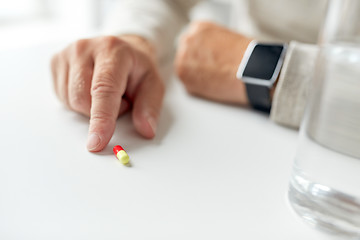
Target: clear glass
325, 182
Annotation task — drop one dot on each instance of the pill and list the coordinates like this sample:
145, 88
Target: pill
121, 154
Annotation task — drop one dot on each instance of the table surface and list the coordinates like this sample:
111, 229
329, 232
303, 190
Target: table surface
214, 171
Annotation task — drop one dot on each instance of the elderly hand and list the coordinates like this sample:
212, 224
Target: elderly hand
102, 78
207, 61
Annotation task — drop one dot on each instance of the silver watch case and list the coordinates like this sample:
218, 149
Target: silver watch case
259, 81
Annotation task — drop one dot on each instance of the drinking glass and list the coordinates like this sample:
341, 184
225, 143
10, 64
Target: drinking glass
325, 182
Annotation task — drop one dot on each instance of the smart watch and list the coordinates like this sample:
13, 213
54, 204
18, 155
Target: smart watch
259, 70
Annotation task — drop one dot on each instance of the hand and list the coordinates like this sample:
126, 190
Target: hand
105, 76
207, 61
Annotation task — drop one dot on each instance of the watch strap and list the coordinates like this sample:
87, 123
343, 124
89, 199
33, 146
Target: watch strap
259, 97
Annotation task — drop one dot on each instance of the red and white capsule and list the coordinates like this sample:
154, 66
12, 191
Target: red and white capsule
121, 154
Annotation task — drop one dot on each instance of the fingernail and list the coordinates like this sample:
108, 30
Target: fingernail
152, 124
93, 141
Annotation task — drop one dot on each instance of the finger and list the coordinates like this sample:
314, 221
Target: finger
125, 106
108, 86
80, 76
147, 104
53, 66
62, 73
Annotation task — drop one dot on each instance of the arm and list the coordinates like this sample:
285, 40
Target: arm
207, 60
209, 56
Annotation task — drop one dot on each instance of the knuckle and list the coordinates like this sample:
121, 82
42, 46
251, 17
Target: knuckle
187, 46
199, 26
105, 84
78, 99
110, 42
115, 47
187, 39
78, 102
79, 47
123, 54
195, 30
102, 117
102, 89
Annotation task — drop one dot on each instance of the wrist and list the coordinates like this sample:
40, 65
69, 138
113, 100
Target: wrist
260, 70
238, 53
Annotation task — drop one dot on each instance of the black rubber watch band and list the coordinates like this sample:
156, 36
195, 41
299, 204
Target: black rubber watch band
259, 97
259, 69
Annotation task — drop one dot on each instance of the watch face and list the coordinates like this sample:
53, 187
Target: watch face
263, 61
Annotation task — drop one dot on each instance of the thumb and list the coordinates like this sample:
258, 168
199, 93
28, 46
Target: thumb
147, 104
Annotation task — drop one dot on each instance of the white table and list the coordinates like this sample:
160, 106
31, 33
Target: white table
214, 171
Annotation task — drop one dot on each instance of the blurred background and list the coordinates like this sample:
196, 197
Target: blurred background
29, 22
25, 23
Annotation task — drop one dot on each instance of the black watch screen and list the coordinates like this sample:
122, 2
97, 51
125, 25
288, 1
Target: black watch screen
263, 61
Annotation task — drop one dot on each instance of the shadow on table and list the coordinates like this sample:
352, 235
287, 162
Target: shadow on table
126, 135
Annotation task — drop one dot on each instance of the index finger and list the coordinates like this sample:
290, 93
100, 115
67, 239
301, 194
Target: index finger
109, 82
